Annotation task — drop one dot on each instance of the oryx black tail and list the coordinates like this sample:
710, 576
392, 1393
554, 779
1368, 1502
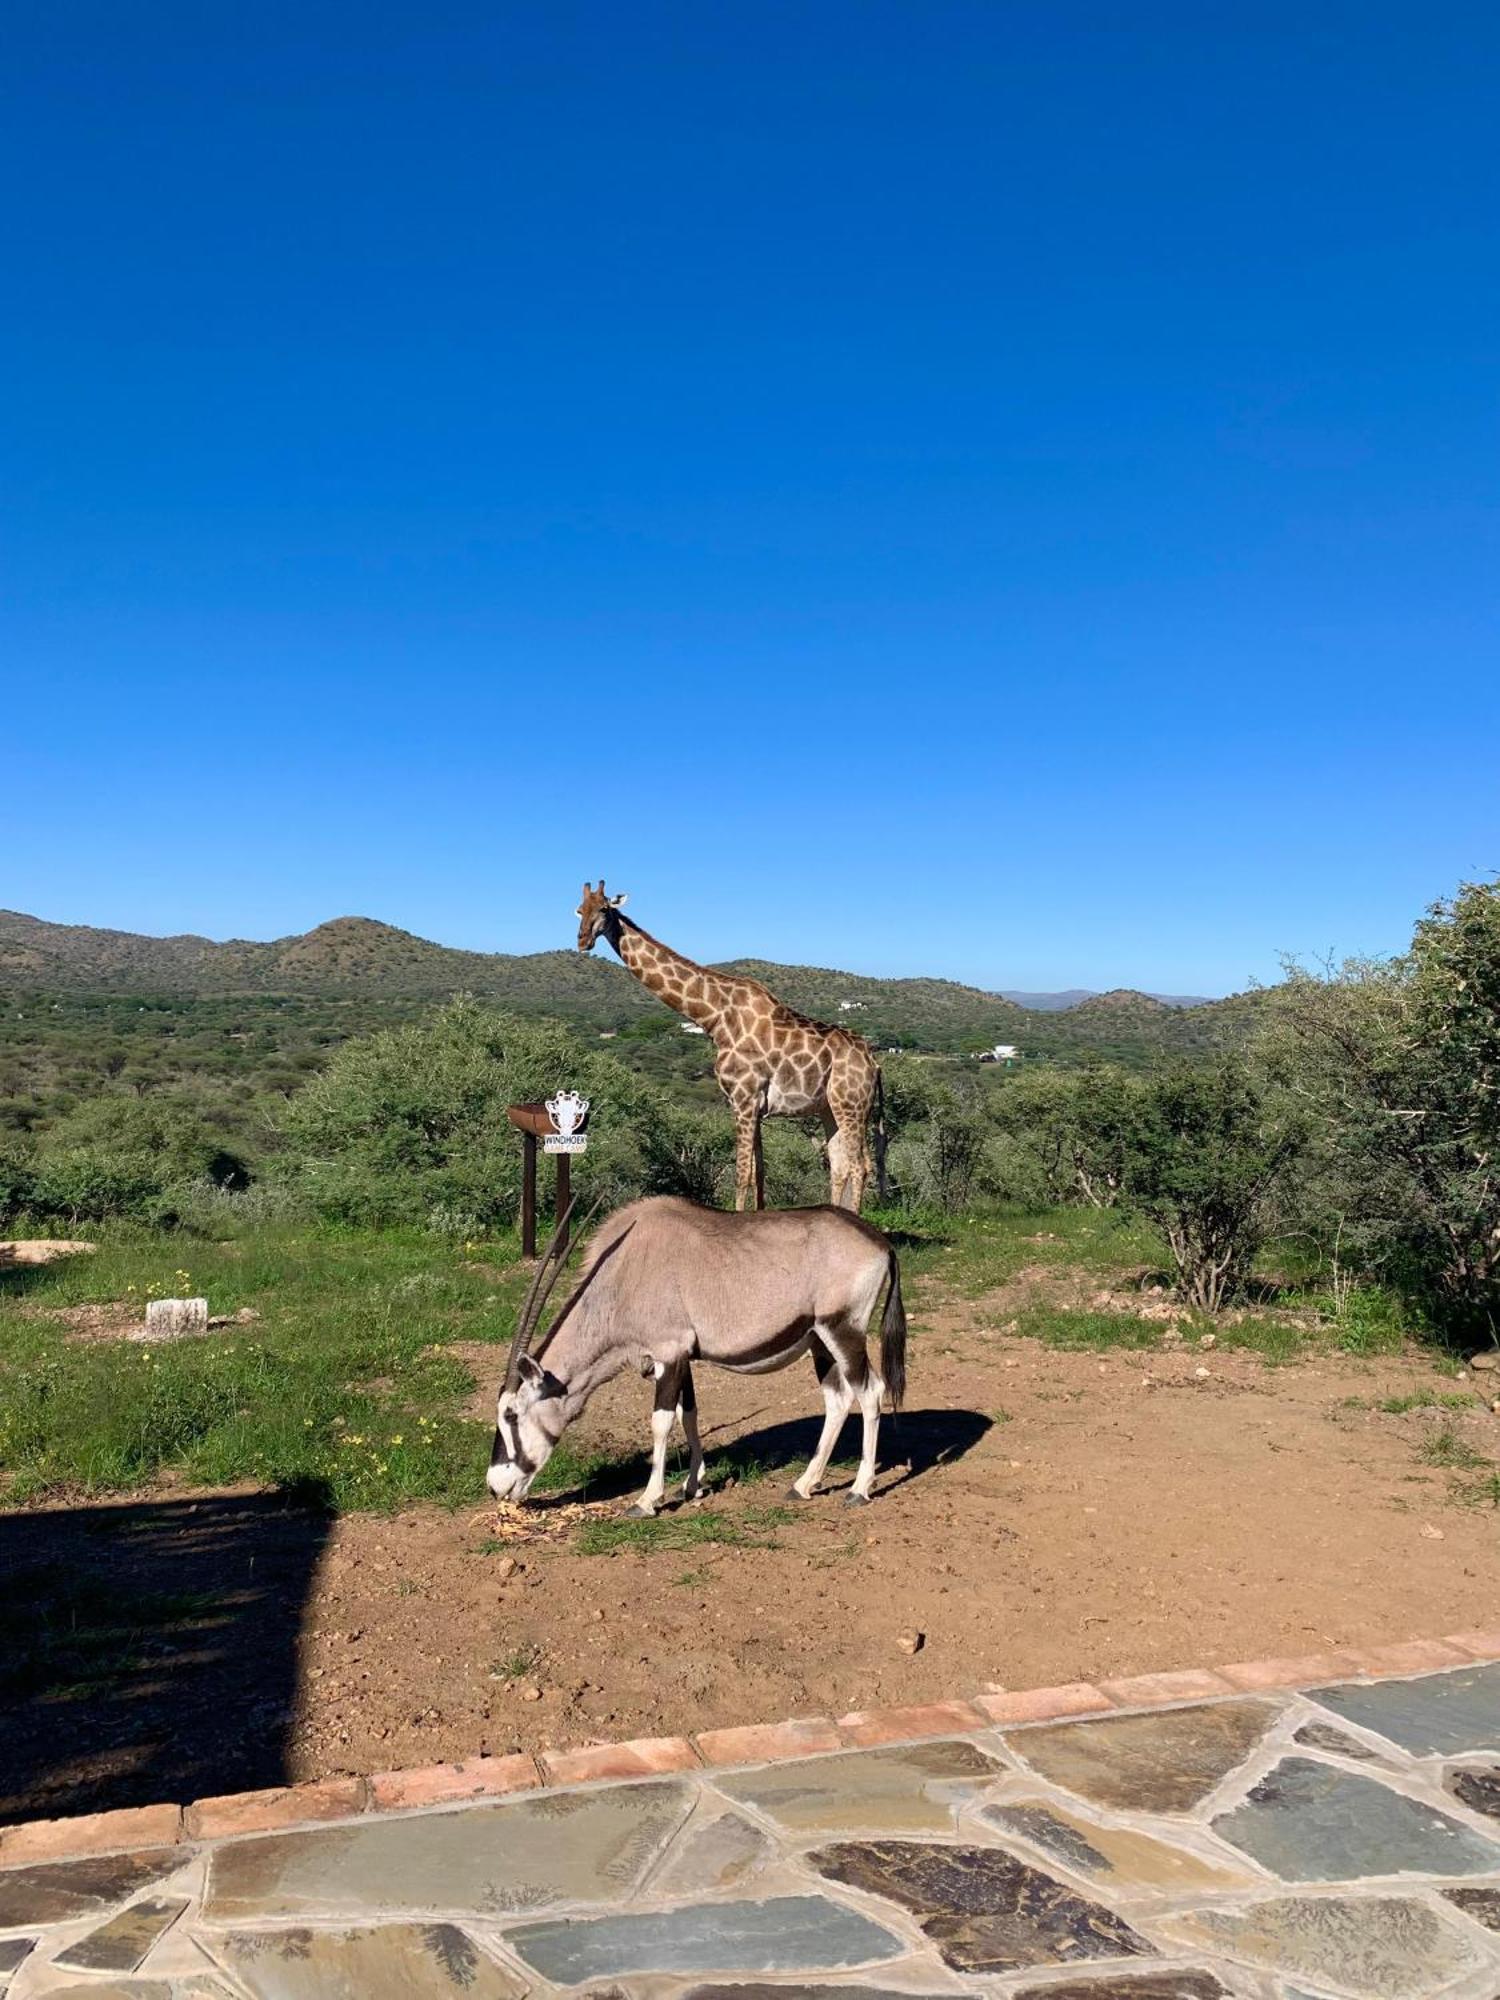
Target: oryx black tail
893, 1338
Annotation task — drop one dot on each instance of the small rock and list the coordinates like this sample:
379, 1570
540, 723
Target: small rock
1430, 1533
1495, 1407
1206, 1340
506, 1567
911, 1641
531, 1694
599, 1617
1483, 1362
1200, 1374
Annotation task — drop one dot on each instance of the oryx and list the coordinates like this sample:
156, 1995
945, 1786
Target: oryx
665, 1283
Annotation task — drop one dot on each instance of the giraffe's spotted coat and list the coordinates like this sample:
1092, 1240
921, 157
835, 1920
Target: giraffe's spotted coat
770, 1060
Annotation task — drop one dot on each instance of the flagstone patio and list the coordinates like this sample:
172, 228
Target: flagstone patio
1335, 1842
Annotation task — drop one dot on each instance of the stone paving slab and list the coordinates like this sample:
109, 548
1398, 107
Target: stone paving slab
1439, 1715
1378, 1947
912, 1789
1163, 1761
986, 1910
1306, 1822
562, 1847
1126, 1858
1155, 1853
124, 1942
422, 1961
790, 1934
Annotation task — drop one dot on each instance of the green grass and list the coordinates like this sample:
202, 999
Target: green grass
1425, 1399
516, 1665
973, 1253
1483, 1492
1447, 1448
340, 1387
754, 1529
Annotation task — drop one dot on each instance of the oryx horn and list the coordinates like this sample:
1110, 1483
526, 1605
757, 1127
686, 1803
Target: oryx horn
548, 1271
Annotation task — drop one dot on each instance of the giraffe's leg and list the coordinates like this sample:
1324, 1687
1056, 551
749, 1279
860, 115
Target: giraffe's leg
746, 1149
846, 1154
851, 1093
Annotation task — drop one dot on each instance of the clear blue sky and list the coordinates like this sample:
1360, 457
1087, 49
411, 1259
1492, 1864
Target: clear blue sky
1004, 491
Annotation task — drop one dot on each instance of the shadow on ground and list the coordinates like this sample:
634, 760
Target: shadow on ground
911, 1443
151, 1650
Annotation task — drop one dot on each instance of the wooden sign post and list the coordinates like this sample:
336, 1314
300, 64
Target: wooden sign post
561, 1124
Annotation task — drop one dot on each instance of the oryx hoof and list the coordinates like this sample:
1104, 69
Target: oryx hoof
639, 1513
853, 1499
793, 1494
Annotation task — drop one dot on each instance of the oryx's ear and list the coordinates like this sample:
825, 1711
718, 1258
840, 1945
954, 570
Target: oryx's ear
530, 1371
618, 902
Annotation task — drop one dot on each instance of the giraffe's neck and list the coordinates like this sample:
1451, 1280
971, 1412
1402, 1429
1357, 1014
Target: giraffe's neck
687, 988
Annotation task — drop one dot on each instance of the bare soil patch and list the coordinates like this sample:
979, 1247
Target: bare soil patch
1041, 1516
40, 1250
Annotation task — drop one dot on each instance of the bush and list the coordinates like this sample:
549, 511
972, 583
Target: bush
938, 1132
1207, 1153
1064, 1135
1398, 1065
409, 1125
17, 1184
117, 1157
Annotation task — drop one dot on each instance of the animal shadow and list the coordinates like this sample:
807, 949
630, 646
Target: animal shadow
912, 1442
151, 1649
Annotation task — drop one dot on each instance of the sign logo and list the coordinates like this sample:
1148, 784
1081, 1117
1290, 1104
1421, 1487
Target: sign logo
567, 1111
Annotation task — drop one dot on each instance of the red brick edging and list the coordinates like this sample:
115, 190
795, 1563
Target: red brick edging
755, 1743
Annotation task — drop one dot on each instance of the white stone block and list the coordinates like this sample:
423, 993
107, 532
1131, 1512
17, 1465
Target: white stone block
170, 1319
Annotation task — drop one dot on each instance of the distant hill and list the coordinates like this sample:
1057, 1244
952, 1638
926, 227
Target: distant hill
359, 958
1059, 1003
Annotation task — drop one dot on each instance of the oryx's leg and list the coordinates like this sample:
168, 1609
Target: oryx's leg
687, 1416
863, 1382
669, 1395
837, 1397
870, 1391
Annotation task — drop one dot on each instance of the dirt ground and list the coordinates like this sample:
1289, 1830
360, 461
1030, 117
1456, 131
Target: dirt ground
1041, 1516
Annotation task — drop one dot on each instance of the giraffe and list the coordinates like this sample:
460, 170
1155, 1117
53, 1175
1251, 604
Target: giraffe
770, 1061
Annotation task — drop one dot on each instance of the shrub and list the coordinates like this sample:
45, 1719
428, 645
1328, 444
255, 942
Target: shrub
1207, 1153
123, 1157
1398, 1064
938, 1134
1064, 1135
410, 1126
17, 1184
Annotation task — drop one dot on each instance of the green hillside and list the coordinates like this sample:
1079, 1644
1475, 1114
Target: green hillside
83, 1009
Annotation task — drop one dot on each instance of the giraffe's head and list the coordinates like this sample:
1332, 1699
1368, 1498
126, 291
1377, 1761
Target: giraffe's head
593, 913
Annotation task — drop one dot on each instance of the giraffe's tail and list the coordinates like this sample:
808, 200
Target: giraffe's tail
882, 1184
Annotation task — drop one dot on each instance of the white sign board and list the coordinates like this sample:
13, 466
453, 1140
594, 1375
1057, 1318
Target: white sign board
567, 1111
